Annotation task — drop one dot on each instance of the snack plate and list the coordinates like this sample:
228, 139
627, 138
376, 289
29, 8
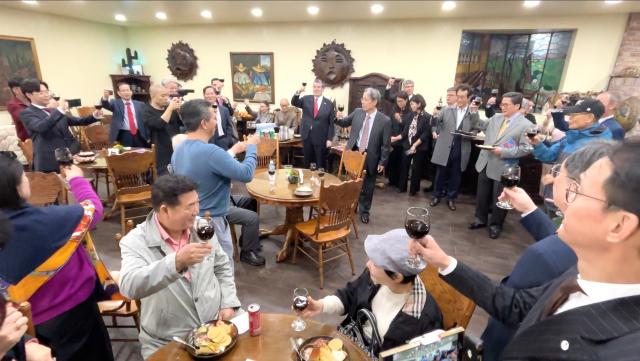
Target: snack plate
464, 134
191, 338
309, 343
303, 192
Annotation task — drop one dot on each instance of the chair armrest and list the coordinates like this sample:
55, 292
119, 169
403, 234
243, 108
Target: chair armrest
472, 347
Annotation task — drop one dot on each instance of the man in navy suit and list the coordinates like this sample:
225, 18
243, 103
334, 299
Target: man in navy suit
590, 312
47, 122
316, 126
224, 136
127, 127
549, 257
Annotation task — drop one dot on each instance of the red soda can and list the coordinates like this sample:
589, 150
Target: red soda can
255, 326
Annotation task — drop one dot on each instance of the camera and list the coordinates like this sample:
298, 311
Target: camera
181, 93
495, 92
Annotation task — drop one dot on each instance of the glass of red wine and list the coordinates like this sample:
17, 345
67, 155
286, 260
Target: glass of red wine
320, 175
300, 303
98, 106
63, 157
509, 178
204, 229
340, 107
531, 134
417, 223
304, 83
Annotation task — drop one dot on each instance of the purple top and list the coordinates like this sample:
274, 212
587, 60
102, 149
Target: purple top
76, 280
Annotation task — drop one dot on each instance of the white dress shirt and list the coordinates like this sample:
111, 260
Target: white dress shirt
125, 118
371, 116
219, 122
460, 112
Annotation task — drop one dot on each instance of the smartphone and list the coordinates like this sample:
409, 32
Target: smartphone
74, 103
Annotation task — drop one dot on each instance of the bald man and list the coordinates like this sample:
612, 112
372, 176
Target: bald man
286, 115
163, 121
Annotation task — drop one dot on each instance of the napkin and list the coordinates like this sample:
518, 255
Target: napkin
241, 320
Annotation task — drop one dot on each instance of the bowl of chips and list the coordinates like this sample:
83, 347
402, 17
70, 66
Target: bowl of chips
323, 348
212, 339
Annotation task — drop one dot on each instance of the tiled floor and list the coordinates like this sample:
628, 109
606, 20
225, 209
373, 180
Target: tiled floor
271, 286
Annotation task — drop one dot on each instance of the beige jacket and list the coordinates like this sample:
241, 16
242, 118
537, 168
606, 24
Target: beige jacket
171, 305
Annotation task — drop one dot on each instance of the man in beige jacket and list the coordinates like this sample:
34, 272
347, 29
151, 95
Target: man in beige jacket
180, 282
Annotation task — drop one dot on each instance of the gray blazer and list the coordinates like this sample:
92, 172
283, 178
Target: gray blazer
171, 305
515, 134
379, 143
445, 123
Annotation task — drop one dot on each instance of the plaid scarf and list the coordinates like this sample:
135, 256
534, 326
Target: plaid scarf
416, 300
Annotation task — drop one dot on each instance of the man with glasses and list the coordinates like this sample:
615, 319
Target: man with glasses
47, 122
505, 136
549, 257
591, 311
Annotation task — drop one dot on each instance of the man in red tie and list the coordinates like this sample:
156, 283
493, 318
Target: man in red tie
127, 127
316, 126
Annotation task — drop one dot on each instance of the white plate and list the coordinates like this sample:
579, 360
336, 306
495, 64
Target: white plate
86, 154
296, 135
303, 192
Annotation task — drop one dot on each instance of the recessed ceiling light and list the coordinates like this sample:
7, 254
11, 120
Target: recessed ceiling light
30, 2
612, 2
313, 10
448, 5
376, 8
205, 14
531, 3
120, 17
257, 12
161, 15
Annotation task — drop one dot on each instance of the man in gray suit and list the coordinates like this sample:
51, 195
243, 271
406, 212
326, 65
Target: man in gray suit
506, 135
452, 152
370, 133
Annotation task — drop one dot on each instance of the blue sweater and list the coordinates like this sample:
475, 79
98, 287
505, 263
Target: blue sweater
213, 169
573, 140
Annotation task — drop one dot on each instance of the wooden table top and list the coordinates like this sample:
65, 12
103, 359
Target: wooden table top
283, 192
101, 161
272, 344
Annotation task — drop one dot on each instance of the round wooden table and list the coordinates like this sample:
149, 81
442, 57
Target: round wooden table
282, 194
272, 344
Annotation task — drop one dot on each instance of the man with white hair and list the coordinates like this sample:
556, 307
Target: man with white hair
370, 133
171, 84
407, 86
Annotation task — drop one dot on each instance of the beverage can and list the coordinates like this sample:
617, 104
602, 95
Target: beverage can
255, 326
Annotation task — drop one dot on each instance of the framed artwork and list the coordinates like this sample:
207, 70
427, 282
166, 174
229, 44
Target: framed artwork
252, 77
18, 58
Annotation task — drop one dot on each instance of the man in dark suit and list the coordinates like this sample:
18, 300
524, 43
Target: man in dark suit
218, 84
316, 126
48, 124
549, 257
127, 127
452, 152
391, 95
591, 312
224, 136
370, 133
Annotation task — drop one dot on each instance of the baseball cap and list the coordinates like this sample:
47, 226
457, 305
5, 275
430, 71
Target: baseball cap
588, 105
390, 251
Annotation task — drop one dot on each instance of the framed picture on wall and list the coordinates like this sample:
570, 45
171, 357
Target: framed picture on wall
18, 58
252, 77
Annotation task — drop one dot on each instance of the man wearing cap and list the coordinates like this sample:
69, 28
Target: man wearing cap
583, 128
218, 84
390, 289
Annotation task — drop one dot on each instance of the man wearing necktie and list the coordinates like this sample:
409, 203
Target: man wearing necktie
505, 133
591, 312
127, 127
47, 122
316, 126
370, 133
224, 136
223, 101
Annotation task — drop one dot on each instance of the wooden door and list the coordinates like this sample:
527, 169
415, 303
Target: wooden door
357, 85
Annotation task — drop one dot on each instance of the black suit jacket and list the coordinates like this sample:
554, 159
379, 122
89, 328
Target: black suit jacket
116, 106
423, 131
49, 132
318, 129
228, 139
379, 140
607, 330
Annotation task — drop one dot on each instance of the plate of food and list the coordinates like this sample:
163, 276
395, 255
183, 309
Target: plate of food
212, 339
86, 154
485, 147
303, 191
323, 348
464, 134
84, 158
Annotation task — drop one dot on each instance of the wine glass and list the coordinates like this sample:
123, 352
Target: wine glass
98, 106
531, 134
312, 167
340, 107
204, 229
509, 178
63, 157
320, 175
300, 302
272, 176
417, 223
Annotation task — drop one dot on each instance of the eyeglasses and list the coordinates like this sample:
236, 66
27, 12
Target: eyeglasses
573, 192
504, 105
555, 171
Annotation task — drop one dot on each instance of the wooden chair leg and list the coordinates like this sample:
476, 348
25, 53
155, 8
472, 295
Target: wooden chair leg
295, 247
355, 228
122, 219
106, 180
321, 266
136, 320
346, 242
234, 240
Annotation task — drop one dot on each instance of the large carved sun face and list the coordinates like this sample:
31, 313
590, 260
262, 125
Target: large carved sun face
333, 64
182, 60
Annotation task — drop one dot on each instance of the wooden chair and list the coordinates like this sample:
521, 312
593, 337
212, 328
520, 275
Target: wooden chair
107, 119
352, 167
27, 150
456, 308
97, 136
46, 189
268, 149
85, 111
133, 174
329, 231
121, 308
25, 309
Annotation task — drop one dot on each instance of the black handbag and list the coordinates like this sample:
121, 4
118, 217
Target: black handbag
354, 330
